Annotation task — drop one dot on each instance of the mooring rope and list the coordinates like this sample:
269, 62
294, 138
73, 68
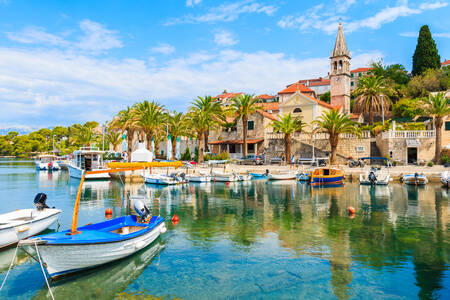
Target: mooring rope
10, 266
43, 271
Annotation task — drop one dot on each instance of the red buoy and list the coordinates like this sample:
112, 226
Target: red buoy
108, 211
175, 218
228, 184
351, 210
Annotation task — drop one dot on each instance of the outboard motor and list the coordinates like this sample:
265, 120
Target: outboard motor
142, 210
267, 171
39, 201
416, 178
183, 176
372, 178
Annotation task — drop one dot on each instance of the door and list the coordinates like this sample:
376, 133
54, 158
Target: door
412, 155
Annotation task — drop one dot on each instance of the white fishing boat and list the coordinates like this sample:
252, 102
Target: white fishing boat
224, 177
445, 178
375, 176
282, 176
47, 162
87, 159
162, 179
414, 179
97, 244
23, 223
198, 178
244, 177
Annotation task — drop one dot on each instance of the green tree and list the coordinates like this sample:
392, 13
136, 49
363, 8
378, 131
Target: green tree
335, 124
243, 106
437, 106
432, 80
177, 128
426, 55
287, 125
408, 108
150, 117
114, 138
125, 120
372, 93
326, 97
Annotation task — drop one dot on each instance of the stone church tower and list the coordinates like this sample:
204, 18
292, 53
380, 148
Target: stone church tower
340, 73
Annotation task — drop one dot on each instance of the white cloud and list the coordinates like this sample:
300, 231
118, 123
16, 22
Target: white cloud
343, 5
36, 35
97, 37
225, 38
225, 13
43, 88
320, 18
416, 34
191, 3
163, 48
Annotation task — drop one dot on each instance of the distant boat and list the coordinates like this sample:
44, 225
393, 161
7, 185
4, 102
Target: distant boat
445, 178
87, 159
198, 178
282, 176
259, 175
224, 177
47, 162
327, 176
23, 223
375, 176
163, 179
415, 179
303, 176
245, 177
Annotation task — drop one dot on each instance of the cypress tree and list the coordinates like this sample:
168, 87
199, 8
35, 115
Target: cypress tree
426, 55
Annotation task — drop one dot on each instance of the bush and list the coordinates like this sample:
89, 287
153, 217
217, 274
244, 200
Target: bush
222, 156
445, 159
430, 163
186, 155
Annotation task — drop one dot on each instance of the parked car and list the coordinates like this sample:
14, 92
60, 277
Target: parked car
251, 159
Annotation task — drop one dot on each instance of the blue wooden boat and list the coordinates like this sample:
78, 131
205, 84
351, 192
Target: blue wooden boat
258, 175
327, 176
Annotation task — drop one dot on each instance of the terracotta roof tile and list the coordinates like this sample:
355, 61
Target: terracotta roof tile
446, 63
267, 115
360, 70
294, 87
320, 102
270, 106
264, 96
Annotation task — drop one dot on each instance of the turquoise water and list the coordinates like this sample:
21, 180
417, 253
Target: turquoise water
255, 240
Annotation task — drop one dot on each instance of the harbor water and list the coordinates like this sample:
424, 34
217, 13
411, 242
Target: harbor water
247, 240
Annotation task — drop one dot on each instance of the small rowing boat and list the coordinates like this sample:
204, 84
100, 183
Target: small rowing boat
224, 177
415, 179
282, 176
23, 223
327, 176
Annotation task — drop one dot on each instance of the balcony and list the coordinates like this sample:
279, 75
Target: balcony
409, 134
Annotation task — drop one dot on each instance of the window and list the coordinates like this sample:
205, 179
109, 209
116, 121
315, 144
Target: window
251, 147
352, 75
233, 128
447, 125
232, 148
359, 74
352, 83
298, 110
251, 125
360, 149
335, 65
340, 65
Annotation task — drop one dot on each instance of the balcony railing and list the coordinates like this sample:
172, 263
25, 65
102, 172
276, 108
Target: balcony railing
409, 134
316, 136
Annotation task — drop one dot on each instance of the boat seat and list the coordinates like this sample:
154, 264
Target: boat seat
127, 229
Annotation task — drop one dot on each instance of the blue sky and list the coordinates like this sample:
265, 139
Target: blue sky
64, 62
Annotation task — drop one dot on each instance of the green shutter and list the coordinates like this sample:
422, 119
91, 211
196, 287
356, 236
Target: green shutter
447, 125
251, 125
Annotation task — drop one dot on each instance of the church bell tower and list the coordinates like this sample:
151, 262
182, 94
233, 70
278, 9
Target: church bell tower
340, 73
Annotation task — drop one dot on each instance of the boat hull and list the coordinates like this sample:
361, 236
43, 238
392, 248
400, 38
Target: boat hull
317, 181
199, 178
63, 259
412, 180
77, 173
15, 231
281, 176
258, 176
225, 178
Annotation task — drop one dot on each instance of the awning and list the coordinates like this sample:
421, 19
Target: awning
412, 143
233, 142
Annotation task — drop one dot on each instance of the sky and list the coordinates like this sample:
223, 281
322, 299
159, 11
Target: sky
72, 61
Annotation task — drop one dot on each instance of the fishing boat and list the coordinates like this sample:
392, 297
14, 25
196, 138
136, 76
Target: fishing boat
47, 162
23, 223
162, 179
326, 176
303, 176
96, 244
198, 178
282, 176
85, 160
445, 178
244, 177
258, 175
375, 176
415, 179
224, 177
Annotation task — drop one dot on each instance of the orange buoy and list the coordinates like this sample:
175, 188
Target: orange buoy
108, 211
351, 210
175, 219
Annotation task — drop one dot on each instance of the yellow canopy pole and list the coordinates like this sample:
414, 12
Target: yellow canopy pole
77, 205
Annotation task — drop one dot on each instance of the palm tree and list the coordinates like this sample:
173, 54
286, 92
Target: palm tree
150, 117
83, 135
125, 120
177, 128
243, 106
205, 113
437, 106
335, 123
114, 138
372, 95
287, 125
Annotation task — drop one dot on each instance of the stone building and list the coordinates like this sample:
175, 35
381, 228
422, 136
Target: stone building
357, 74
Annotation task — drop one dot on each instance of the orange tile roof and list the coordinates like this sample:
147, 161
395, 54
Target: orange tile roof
270, 106
264, 96
354, 116
320, 102
445, 63
267, 115
249, 141
226, 96
360, 70
317, 83
294, 87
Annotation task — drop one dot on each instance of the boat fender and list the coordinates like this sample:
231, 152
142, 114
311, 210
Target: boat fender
108, 212
22, 228
175, 218
351, 210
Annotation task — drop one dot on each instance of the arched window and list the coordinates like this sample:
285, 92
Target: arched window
298, 110
340, 65
335, 66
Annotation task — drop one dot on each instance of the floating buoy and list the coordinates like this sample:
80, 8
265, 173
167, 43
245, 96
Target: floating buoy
108, 211
351, 210
175, 218
228, 183
108, 217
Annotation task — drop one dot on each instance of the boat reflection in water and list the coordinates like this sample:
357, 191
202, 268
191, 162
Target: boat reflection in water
104, 282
